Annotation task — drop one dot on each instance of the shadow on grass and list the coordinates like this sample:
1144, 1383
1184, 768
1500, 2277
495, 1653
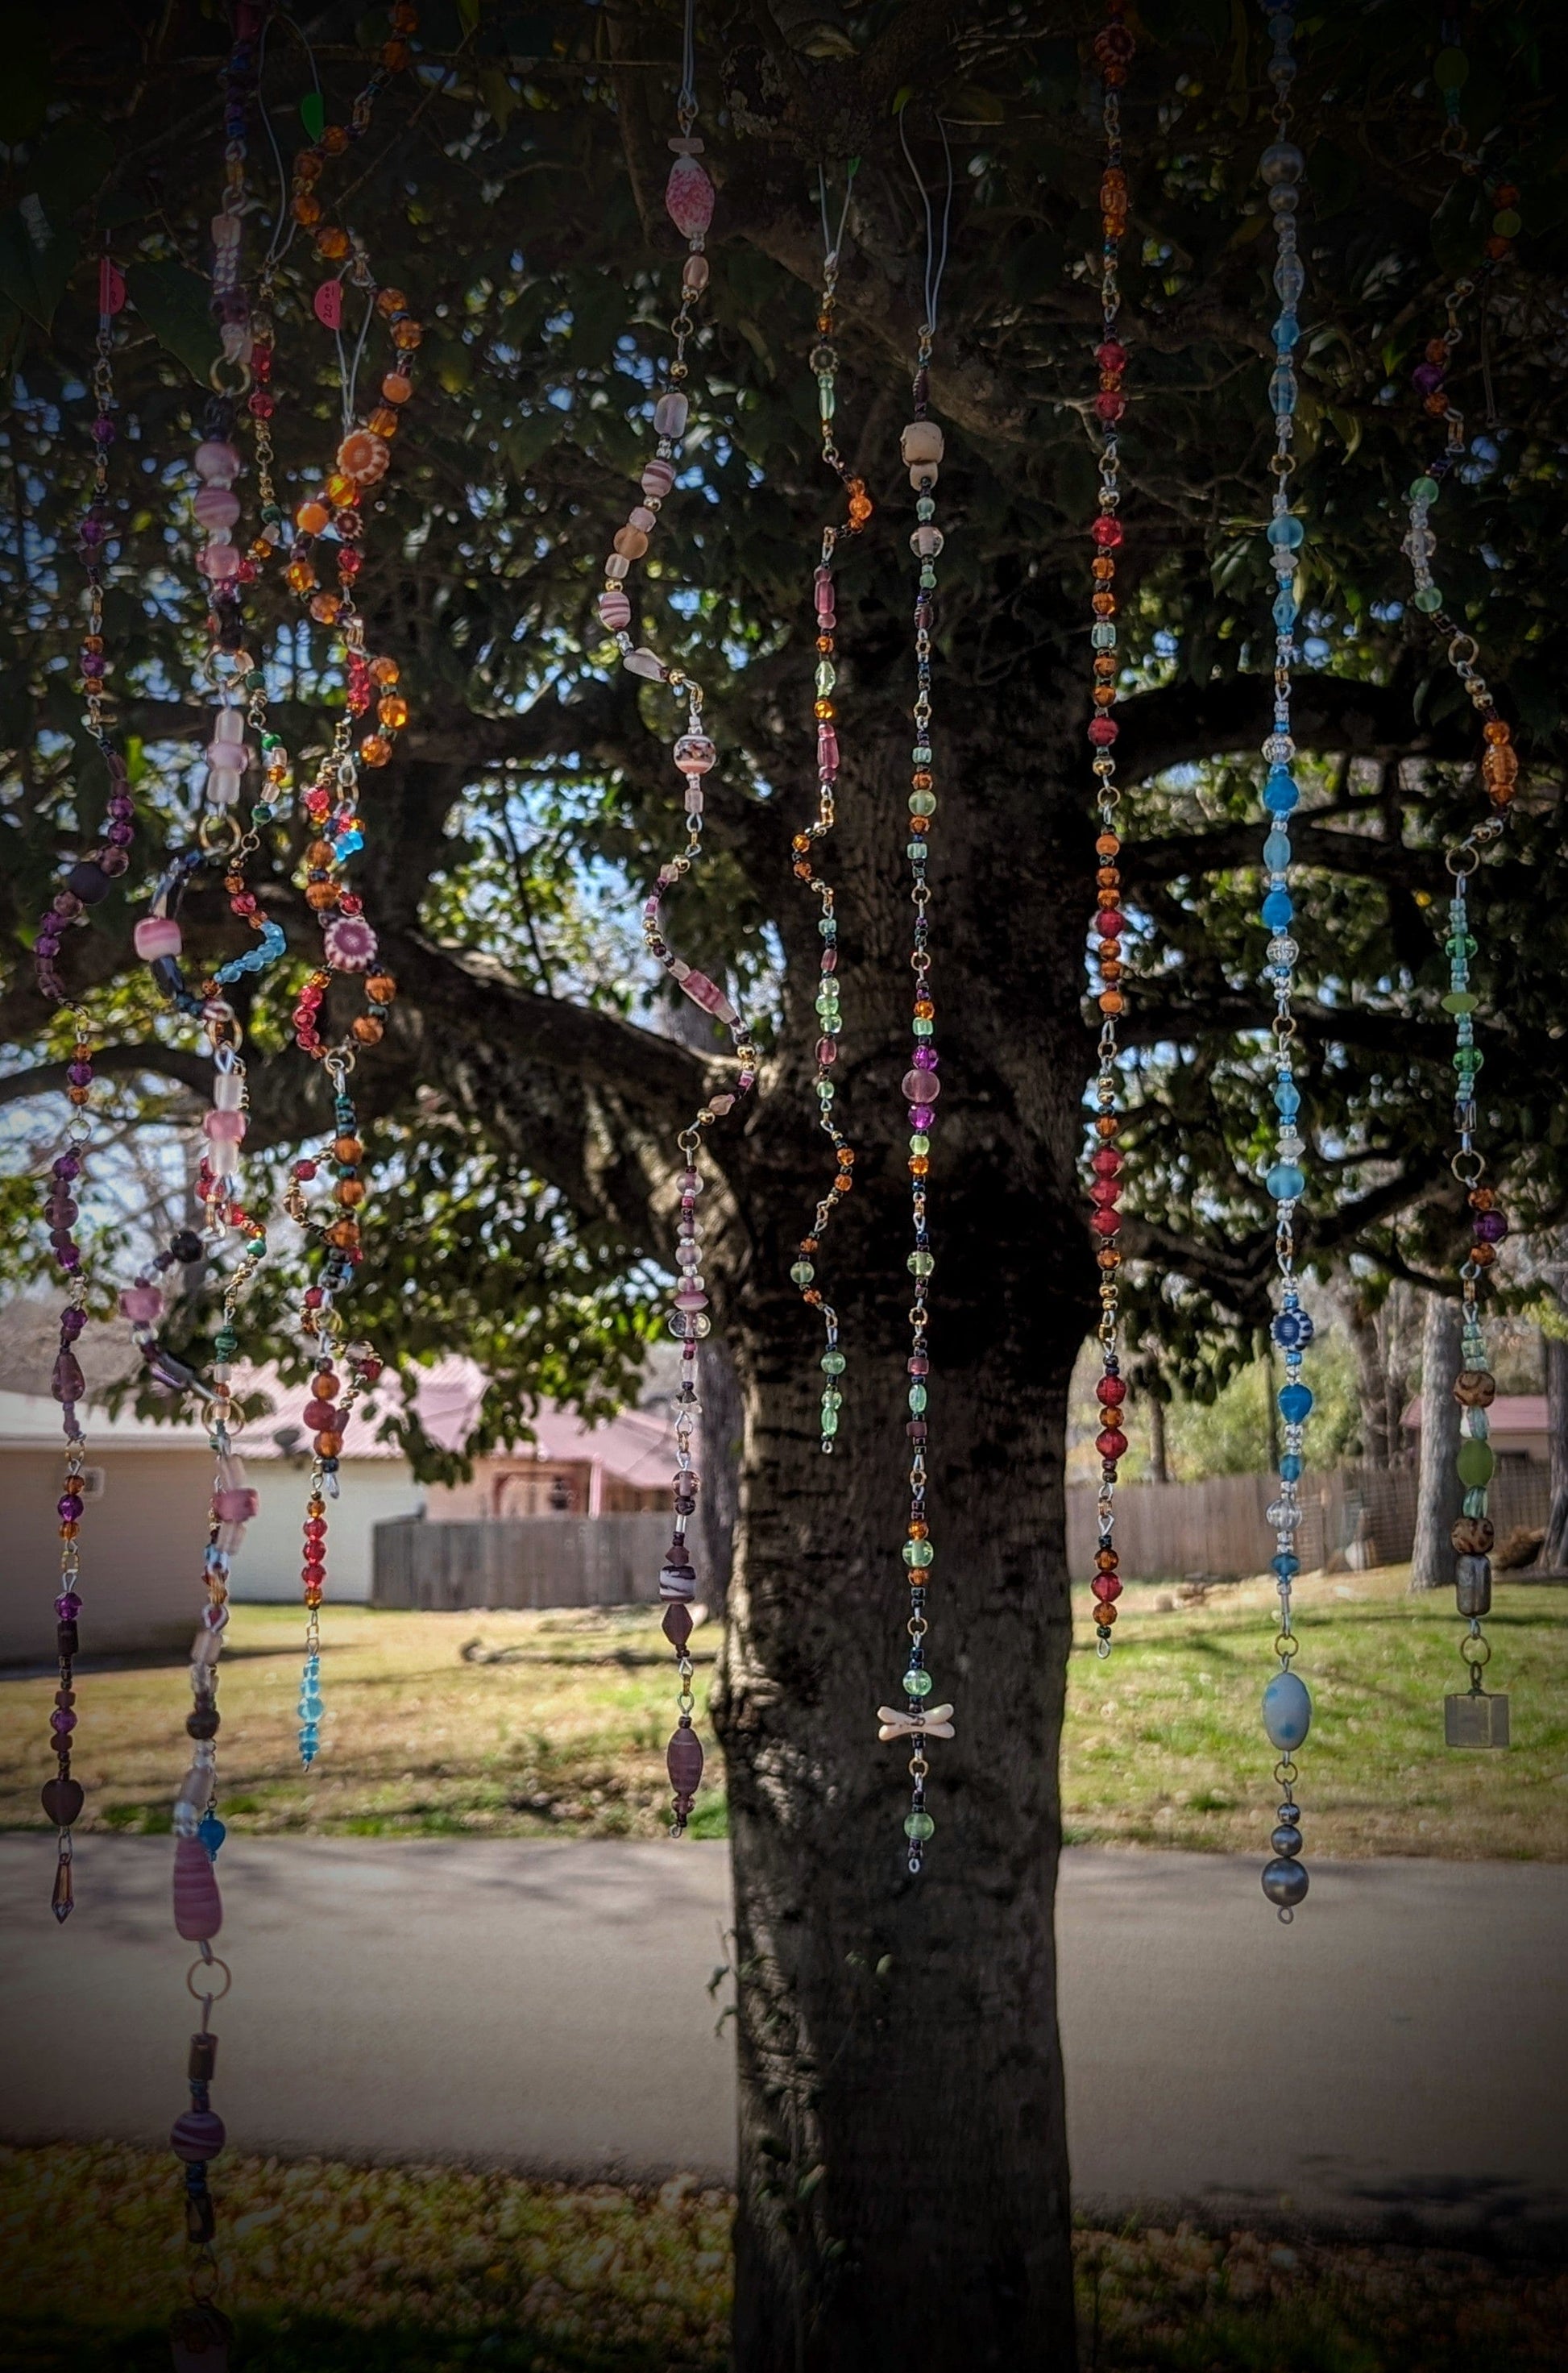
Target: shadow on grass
327, 2344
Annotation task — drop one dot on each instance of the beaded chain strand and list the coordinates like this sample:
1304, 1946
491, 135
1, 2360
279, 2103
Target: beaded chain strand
1114, 48
1287, 1707
825, 709
86, 883
921, 447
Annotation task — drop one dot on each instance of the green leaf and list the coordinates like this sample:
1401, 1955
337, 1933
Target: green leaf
468, 15
501, 101
36, 260
176, 306
314, 114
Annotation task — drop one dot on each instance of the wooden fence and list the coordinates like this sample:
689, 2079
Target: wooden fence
518, 1562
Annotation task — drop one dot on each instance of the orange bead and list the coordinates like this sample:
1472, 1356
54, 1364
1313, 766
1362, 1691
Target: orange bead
350, 1191
380, 988
368, 1029
1111, 1000
1107, 845
331, 242
325, 607
920, 1164
393, 709
1104, 1612
347, 1150
302, 576
334, 139
362, 457
307, 209
322, 894
383, 421
346, 1233
312, 518
1496, 730
408, 335
342, 493
306, 167
375, 750
823, 711
385, 671
328, 1444
320, 852
396, 55
397, 388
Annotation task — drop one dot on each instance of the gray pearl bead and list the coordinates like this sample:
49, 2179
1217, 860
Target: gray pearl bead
1282, 161
1283, 200
1284, 1883
1286, 1839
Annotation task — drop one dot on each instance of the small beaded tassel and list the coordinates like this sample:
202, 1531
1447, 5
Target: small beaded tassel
1112, 49
825, 364
1287, 1708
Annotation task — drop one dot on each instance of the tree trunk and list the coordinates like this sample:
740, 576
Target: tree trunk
723, 1429
1554, 1548
1159, 1457
904, 2192
1381, 1439
1438, 1489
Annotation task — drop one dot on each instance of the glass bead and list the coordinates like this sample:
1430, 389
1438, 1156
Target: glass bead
1277, 851
1429, 598
1285, 1181
1278, 909
1102, 636
802, 1273
1287, 330
1425, 491
918, 1554
1295, 1403
831, 1363
920, 1264
1291, 1468
1281, 793
829, 1421
1286, 532
918, 1398
1285, 611
916, 1682
918, 1826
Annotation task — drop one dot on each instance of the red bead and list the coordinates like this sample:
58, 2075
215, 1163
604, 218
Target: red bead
1103, 732
1104, 1192
304, 1170
1107, 531
1106, 1223
1111, 1444
1109, 922
1107, 1163
1112, 1390
1105, 1586
1109, 406
1111, 356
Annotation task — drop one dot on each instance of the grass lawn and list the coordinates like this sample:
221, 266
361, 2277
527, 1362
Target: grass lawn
334, 2269
566, 1737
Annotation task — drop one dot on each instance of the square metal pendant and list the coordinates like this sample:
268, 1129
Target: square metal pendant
1475, 1718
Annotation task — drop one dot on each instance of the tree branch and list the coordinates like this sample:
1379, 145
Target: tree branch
192, 1071
1181, 723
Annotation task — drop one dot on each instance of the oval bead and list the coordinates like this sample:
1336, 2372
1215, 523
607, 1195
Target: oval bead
1287, 1712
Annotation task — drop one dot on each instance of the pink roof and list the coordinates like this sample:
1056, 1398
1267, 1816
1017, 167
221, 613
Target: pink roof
1510, 1413
635, 1447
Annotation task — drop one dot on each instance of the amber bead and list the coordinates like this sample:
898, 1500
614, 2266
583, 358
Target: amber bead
342, 493
921, 781
375, 750
408, 335
823, 711
924, 1009
1483, 1199
325, 608
1103, 1611
1106, 1124
322, 894
396, 55
1111, 1000
1495, 730
367, 1029
1106, 1560
331, 242
302, 576
383, 421
1436, 403
920, 1164
1436, 350
307, 209
344, 1234
1483, 1255
397, 388
306, 167
328, 1444
1107, 845
393, 709
350, 1191
385, 671
380, 988
347, 1150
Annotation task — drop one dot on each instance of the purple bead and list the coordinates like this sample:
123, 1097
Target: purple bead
118, 833
70, 1506
71, 1258
113, 862
62, 1722
1490, 1227
68, 1166
95, 531
925, 1059
93, 666
103, 430
72, 1323
79, 1074
1427, 378
68, 1606
67, 1383
921, 1116
68, 904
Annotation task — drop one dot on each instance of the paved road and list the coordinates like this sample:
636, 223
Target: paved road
1396, 2052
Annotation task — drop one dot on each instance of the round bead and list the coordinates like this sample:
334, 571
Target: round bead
1285, 1882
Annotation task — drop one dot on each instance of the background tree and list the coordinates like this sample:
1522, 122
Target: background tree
903, 2178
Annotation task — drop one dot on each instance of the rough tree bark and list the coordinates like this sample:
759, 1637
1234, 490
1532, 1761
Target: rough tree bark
1554, 1548
1438, 1489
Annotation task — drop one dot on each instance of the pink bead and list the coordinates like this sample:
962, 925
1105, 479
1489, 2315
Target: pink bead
218, 462
228, 757
349, 944
198, 1906
216, 506
694, 754
826, 750
921, 1087
642, 519
224, 1127
615, 609
687, 1299
142, 1304
688, 197
220, 562
710, 995
669, 414
658, 478
235, 1507
157, 935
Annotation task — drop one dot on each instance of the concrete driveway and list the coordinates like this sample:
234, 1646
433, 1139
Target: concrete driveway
1393, 2056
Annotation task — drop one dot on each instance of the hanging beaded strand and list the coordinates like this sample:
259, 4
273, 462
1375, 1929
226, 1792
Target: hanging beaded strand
86, 883
1287, 1707
1114, 49
824, 365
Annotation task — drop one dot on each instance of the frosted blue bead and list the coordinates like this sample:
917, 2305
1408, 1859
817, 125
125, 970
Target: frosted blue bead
1286, 532
1290, 279
1287, 1712
1290, 1467
1296, 1401
1287, 330
1282, 390
1277, 851
350, 841
1278, 908
1287, 1096
1287, 609
1281, 793
1285, 1181
1284, 1565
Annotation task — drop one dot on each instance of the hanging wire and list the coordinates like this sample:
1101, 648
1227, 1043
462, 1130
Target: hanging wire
832, 243
686, 98
936, 259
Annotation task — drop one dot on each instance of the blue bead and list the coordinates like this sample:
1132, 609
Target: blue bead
1278, 908
1295, 1400
1286, 532
1277, 851
212, 1834
1281, 793
1284, 1565
1290, 1467
1287, 1712
1286, 610
1282, 390
1287, 1096
1287, 330
1285, 1181
1287, 1328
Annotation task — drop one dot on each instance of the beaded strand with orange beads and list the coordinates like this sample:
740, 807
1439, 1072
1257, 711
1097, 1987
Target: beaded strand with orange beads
825, 364
1113, 51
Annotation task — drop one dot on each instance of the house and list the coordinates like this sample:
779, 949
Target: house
148, 1485
1519, 1434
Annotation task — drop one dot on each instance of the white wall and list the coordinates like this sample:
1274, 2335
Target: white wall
372, 1490
142, 1541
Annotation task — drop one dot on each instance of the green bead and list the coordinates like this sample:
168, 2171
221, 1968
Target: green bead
1450, 69
1507, 225
919, 1142
832, 1400
918, 1682
1460, 1002
833, 1364
1477, 1462
1461, 945
262, 812
917, 1398
914, 850
802, 1273
830, 1420
922, 803
923, 1029
1425, 490
922, 754
918, 1826
827, 675
918, 1553
1429, 598
920, 1264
